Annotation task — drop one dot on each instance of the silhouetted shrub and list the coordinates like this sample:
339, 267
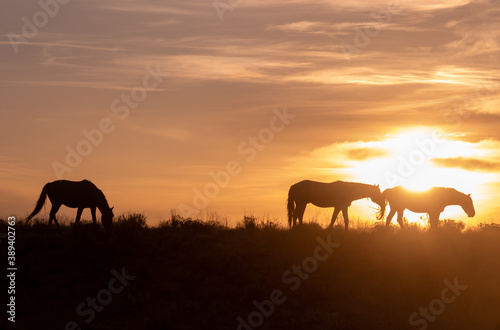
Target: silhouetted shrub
176, 221
452, 225
269, 224
132, 221
483, 225
128, 227
488, 228
187, 267
249, 222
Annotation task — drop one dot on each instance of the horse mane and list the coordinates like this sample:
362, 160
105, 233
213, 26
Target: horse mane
103, 200
447, 189
354, 183
103, 205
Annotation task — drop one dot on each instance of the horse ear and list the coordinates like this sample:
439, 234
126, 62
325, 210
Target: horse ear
469, 195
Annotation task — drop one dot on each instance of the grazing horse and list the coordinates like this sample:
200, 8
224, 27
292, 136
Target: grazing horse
338, 194
74, 194
432, 202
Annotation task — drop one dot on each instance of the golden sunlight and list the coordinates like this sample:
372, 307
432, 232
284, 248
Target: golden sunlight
411, 160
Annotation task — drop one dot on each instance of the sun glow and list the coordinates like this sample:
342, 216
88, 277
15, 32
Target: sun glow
410, 161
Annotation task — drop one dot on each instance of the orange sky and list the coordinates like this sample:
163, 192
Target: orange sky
151, 101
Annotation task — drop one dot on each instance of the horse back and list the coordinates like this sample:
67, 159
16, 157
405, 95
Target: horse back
416, 201
321, 194
74, 193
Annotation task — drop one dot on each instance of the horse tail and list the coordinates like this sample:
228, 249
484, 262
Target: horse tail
290, 205
39, 203
381, 213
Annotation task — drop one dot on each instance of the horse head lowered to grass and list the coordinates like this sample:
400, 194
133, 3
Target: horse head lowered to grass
338, 194
81, 195
432, 202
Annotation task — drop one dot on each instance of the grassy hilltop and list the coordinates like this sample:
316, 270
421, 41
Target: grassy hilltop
198, 275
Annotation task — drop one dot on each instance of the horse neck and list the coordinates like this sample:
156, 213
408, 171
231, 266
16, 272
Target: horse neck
456, 198
102, 203
362, 191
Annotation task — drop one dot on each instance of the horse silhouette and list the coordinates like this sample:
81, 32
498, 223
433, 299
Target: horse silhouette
81, 195
338, 194
432, 202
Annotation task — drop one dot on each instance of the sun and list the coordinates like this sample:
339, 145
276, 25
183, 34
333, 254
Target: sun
411, 162
407, 160
411, 158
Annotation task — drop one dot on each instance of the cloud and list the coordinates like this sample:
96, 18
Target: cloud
470, 164
298, 26
478, 30
427, 58
361, 154
340, 155
168, 132
10, 167
428, 5
124, 35
179, 8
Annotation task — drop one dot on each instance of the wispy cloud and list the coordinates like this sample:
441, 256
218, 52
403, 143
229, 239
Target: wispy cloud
148, 7
301, 26
169, 132
478, 30
362, 154
11, 168
470, 164
428, 57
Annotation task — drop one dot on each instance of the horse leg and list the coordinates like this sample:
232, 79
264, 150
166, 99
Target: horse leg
78, 215
434, 220
52, 216
400, 218
389, 218
299, 213
334, 216
346, 218
94, 219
